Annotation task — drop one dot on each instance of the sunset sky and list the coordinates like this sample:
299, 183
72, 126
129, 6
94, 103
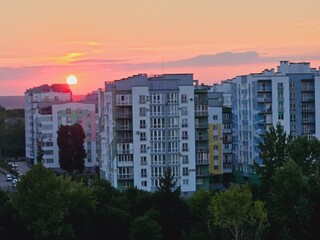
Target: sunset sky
44, 41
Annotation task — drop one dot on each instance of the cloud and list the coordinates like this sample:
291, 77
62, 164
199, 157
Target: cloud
227, 59
98, 61
219, 59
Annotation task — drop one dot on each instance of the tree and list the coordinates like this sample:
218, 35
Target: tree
145, 227
42, 203
111, 217
237, 215
288, 205
173, 211
199, 203
71, 150
274, 152
306, 153
54, 207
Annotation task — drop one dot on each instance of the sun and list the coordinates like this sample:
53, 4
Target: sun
72, 79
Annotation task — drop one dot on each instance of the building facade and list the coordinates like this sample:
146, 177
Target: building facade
49, 107
148, 125
259, 101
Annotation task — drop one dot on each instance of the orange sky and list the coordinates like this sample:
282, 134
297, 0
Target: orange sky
43, 41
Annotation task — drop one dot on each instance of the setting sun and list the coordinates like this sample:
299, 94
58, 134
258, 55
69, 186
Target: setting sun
71, 79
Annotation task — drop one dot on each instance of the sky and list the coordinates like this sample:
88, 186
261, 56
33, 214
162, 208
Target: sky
44, 41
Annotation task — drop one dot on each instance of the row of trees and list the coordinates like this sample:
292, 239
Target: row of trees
46, 206
285, 205
12, 134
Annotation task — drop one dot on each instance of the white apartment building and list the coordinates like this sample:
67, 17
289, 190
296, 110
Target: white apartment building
38, 102
259, 101
49, 107
147, 125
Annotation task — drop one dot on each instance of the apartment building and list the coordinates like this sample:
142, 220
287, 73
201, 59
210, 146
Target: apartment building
259, 101
220, 134
46, 109
148, 125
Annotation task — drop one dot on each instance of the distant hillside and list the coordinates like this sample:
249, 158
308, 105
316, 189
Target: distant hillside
17, 102
12, 102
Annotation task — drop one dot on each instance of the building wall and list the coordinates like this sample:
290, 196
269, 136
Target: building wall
158, 118
38, 98
71, 113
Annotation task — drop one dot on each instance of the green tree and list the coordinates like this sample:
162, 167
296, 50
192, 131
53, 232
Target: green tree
274, 152
173, 211
71, 149
54, 207
306, 153
237, 215
145, 227
199, 203
111, 217
10, 224
289, 205
12, 133
42, 203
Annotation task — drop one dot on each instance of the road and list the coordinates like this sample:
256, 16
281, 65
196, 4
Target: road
7, 185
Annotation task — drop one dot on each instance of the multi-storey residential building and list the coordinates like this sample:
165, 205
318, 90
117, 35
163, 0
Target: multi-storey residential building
202, 137
147, 125
268, 98
38, 101
220, 134
68, 114
49, 107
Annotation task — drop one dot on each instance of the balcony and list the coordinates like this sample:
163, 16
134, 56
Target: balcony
307, 89
124, 139
310, 99
202, 150
264, 89
201, 113
266, 111
202, 138
264, 100
202, 162
124, 151
123, 115
123, 128
308, 110
125, 176
201, 125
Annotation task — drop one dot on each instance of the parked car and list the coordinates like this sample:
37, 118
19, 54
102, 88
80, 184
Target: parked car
14, 182
9, 177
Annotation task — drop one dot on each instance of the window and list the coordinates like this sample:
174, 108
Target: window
185, 182
143, 183
143, 172
142, 99
185, 135
143, 136
185, 159
143, 160
184, 111
280, 116
184, 98
185, 171
143, 148
185, 147
142, 111
184, 123
215, 117
142, 123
